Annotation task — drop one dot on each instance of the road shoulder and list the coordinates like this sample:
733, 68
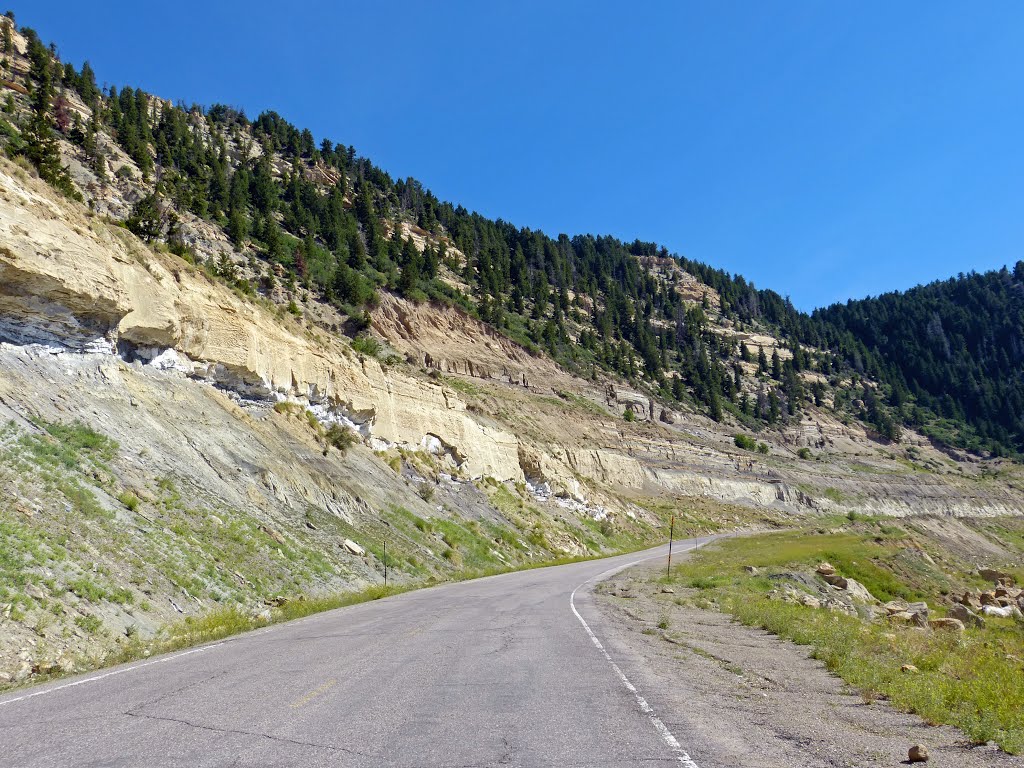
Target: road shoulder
735, 695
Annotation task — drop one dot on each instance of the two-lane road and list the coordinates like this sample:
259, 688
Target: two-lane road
498, 671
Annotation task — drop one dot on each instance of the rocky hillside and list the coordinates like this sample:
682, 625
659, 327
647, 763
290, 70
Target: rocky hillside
192, 420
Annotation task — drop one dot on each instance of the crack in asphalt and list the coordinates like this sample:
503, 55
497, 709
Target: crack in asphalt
240, 732
509, 753
181, 689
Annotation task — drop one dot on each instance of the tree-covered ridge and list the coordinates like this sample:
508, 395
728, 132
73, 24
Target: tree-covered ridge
954, 348
319, 217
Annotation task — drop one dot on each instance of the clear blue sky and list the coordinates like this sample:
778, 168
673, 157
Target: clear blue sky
826, 150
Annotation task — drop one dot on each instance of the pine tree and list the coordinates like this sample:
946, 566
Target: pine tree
41, 147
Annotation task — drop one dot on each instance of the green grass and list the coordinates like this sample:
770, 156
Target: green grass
462, 386
972, 681
582, 403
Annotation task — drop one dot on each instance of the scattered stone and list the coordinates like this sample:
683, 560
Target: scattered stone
810, 602
667, 591
918, 754
751, 569
274, 534
910, 669
895, 606
966, 615
22, 672
834, 579
954, 625
46, 668
35, 592
352, 547
264, 616
826, 569
990, 574
989, 598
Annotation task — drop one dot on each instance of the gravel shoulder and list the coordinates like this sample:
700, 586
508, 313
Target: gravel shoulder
739, 696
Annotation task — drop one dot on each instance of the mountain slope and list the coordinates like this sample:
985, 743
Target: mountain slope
226, 351
955, 348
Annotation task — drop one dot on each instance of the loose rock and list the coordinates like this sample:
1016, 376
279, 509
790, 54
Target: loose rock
966, 615
918, 753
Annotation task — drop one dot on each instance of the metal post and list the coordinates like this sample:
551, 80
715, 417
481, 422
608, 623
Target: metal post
671, 533
385, 562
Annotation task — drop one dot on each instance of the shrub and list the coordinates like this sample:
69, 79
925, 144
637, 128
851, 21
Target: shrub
745, 442
366, 345
629, 415
130, 500
341, 437
804, 453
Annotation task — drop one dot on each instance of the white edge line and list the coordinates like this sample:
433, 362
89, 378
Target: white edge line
119, 671
666, 735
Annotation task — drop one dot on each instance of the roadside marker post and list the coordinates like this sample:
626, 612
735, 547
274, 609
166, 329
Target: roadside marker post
671, 533
385, 562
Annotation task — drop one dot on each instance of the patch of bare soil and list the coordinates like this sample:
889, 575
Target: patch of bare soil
738, 696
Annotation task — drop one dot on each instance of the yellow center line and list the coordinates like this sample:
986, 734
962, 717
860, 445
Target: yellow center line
313, 694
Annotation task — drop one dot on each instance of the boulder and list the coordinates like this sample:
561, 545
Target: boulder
751, 569
971, 600
918, 754
667, 591
990, 574
902, 617
810, 602
834, 579
989, 598
999, 611
951, 625
352, 547
966, 615
858, 591
895, 606
825, 569
918, 608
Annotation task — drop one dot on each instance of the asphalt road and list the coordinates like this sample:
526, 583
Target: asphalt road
493, 672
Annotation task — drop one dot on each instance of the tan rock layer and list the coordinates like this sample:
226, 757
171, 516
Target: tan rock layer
65, 279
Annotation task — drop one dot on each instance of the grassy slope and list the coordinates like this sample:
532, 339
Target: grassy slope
973, 681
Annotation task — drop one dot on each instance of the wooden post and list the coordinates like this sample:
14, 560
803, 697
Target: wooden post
671, 533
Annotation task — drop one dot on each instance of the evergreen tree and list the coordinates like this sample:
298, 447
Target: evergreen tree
41, 147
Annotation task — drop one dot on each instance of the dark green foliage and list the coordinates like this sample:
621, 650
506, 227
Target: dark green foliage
955, 348
40, 140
